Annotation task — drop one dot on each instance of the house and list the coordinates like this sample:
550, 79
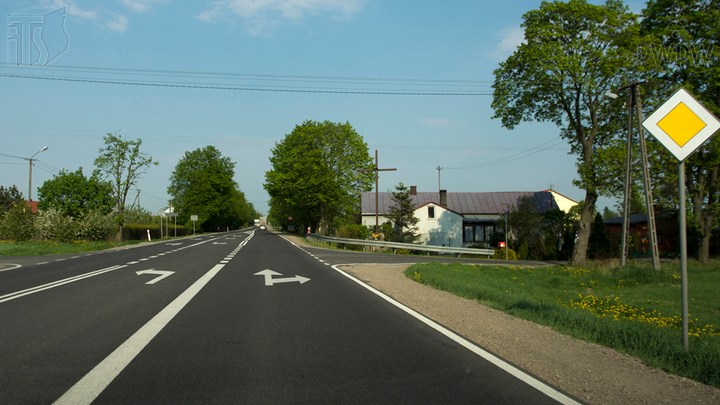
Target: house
666, 228
458, 219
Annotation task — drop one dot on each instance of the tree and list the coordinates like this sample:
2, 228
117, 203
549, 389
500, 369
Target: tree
9, 197
314, 177
202, 184
686, 53
599, 245
402, 215
17, 224
72, 193
525, 222
574, 54
122, 162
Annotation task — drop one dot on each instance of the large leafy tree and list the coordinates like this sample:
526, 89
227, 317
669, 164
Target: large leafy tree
574, 53
685, 51
72, 193
123, 163
202, 184
314, 176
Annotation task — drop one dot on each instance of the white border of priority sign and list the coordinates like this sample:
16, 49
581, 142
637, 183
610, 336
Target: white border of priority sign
712, 124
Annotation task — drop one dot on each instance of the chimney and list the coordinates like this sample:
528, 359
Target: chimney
443, 198
413, 190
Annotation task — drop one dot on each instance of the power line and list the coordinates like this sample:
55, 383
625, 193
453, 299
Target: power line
262, 89
514, 157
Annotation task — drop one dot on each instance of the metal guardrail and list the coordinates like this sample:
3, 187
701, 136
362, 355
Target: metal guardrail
320, 240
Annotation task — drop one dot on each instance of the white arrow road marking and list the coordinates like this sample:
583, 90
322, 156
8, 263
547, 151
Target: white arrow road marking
269, 280
219, 243
174, 244
160, 273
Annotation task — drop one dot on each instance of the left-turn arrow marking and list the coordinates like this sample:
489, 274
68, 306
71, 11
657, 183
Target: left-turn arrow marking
161, 274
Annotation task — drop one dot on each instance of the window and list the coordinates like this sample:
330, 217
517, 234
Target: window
431, 212
478, 233
468, 233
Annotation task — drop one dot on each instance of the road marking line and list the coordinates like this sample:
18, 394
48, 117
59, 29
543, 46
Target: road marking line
507, 367
32, 290
17, 266
89, 387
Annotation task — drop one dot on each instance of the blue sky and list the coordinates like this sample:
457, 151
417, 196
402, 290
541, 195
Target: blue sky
317, 52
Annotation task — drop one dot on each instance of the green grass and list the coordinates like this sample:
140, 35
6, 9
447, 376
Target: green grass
38, 248
634, 309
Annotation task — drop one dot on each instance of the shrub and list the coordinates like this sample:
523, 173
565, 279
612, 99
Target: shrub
500, 254
53, 224
523, 251
17, 225
355, 231
95, 225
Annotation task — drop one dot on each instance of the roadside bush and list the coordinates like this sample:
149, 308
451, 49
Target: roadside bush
139, 232
500, 254
95, 225
354, 231
17, 225
53, 224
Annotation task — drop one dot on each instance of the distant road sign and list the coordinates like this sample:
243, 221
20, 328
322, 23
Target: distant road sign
681, 124
193, 217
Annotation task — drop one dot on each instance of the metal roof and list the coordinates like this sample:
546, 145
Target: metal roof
489, 203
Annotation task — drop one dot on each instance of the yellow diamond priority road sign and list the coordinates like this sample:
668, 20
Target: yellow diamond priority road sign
681, 124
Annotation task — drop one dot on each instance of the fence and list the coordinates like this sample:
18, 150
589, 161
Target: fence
323, 241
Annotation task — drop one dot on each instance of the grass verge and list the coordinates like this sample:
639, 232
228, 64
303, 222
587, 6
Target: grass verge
37, 248
634, 310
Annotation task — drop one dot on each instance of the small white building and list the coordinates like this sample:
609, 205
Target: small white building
459, 219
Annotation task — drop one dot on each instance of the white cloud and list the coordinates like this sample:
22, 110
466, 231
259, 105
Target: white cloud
263, 15
119, 24
140, 6
511, 39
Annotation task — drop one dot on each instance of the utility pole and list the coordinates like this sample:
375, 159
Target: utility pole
635, 101
376, 170
30, 175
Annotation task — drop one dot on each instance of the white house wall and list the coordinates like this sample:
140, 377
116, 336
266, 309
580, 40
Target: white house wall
443, 230
369, 220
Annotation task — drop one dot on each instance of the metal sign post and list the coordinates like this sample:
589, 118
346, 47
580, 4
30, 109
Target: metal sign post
682, 125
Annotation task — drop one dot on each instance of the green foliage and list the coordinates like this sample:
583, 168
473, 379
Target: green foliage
683, 50
95, 225
523, 251
139, 231
36, 248
574, 53
72, 193
599, 245
354, 231
633, 309
53, 224
17, 225
122, 162
138, 216
202, 184
609, 214
500, 254
388, 231
8, 198
314, 177
402, 215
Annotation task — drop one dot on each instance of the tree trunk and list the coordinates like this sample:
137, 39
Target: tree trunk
583, 237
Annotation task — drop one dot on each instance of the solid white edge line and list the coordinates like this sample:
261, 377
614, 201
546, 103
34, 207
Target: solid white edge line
89, 387
507, 367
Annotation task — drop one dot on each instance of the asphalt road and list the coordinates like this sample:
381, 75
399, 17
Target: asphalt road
244, 317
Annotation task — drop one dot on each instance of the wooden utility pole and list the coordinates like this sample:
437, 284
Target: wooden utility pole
376, 170
634, 101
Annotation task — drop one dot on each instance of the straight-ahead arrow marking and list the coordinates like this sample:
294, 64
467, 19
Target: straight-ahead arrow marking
269, 280
160, 273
